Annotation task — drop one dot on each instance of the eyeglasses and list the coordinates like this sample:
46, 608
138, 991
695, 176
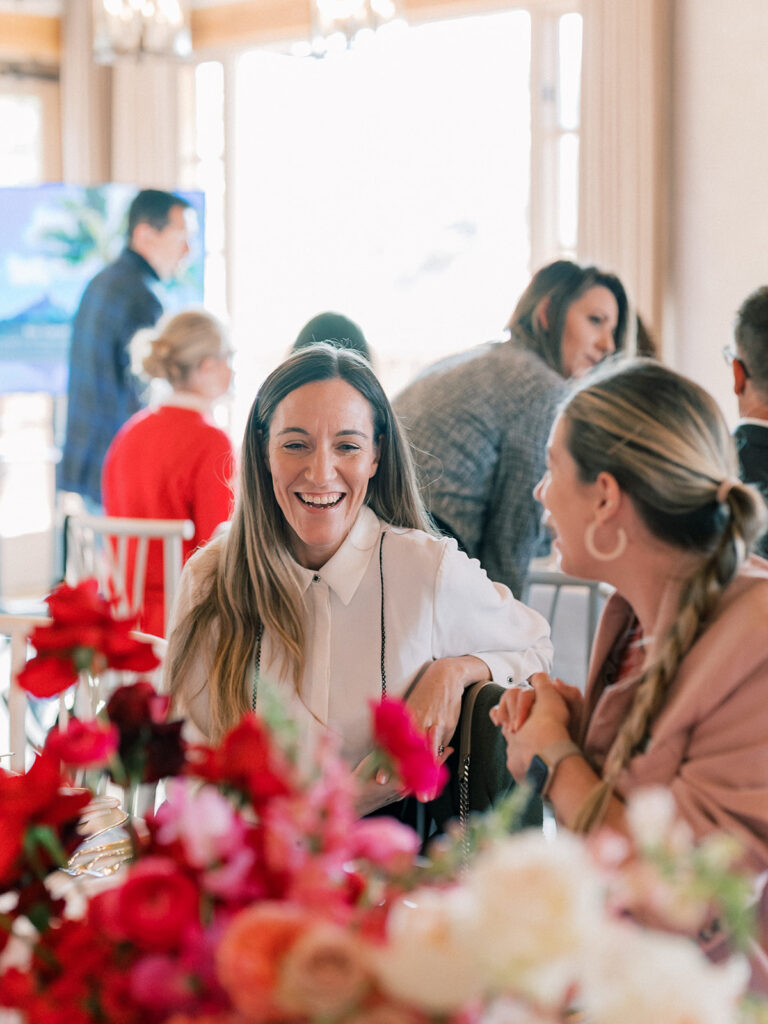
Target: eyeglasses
733, 357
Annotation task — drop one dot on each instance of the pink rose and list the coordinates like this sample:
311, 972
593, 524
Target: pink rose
383, 1012
384, 841
322, 974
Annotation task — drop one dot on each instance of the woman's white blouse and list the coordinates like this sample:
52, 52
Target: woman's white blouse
437, 603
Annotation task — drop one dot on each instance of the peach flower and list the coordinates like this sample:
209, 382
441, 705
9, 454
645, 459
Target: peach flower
323, 974
250, 954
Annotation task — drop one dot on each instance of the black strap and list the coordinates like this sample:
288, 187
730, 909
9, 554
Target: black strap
383, 629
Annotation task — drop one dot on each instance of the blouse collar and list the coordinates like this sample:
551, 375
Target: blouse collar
344, 571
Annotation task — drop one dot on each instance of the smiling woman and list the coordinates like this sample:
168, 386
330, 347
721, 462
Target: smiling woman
331, 582
321, 466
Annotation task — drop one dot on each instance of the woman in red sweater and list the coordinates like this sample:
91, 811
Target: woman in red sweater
171, 461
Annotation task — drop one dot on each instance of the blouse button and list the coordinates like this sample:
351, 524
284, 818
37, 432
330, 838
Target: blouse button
316, 578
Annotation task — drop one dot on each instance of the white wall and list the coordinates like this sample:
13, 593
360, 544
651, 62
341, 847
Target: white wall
720, 180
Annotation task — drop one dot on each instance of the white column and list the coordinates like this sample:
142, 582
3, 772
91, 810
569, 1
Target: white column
145, 123
625, 146
85, 101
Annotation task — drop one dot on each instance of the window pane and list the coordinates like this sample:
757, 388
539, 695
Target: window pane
209, 109
569, 69
21, 140
568, 192
390, 184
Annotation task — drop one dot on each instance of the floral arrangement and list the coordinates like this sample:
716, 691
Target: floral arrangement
255, 894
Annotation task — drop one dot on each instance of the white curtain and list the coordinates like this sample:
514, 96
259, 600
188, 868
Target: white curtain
625, 146
85, 101
120, 123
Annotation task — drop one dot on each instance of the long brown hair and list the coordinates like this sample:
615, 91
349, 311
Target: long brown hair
253, 585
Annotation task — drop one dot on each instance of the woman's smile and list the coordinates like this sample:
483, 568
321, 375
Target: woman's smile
322, 455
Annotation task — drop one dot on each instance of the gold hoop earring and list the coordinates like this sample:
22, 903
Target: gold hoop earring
604, 556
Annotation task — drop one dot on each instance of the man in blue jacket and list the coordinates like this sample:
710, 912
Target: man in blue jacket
118, 301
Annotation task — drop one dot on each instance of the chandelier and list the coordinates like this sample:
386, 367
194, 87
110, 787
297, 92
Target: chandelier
135, 28
340, 24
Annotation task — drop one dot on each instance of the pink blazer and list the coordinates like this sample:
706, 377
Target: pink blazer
709, 744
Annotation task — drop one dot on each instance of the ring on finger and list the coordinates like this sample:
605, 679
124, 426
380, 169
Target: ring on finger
522, 684
441, 750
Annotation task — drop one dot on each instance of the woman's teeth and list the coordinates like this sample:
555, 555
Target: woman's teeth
321, 500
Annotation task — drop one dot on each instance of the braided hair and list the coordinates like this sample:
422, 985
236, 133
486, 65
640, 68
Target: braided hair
666, 443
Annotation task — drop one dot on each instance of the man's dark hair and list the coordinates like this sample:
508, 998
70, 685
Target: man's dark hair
751, 333
335, 328
151, 206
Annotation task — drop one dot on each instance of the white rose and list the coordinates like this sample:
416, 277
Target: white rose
540, 905
653, 820
427, 960
636, 976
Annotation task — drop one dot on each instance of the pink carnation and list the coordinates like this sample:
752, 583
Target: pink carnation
408, 749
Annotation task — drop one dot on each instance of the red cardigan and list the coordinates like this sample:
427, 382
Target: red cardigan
169, 463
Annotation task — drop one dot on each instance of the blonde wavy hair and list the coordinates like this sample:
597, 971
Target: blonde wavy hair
666, 443
178, 345
253, 585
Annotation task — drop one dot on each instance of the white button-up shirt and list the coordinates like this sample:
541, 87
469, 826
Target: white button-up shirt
437, 603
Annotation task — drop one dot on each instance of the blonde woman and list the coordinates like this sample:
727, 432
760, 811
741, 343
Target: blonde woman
172, 461
641, 491
331, 582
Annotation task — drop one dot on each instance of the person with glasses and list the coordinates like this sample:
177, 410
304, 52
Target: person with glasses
748, 359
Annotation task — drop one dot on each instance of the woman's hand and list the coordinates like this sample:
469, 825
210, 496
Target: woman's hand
435, 700
380, 790
532, 719
373, 792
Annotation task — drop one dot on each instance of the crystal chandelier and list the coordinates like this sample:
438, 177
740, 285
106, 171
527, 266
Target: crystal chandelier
135, 28
339, 24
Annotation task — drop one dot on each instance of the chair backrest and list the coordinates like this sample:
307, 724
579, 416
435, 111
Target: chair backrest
20, 734
572, 607
116, 550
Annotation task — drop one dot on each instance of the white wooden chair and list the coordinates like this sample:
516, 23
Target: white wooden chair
572, 607
102, 546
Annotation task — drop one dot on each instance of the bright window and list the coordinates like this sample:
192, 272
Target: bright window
393, 183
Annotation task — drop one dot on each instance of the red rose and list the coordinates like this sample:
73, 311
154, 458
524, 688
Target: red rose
153, 908
80, 605
47, 676
32, 804
149, 747
247, 760
88, 744
137, 704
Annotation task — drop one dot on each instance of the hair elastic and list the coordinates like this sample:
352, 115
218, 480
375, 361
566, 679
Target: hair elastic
726, 485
